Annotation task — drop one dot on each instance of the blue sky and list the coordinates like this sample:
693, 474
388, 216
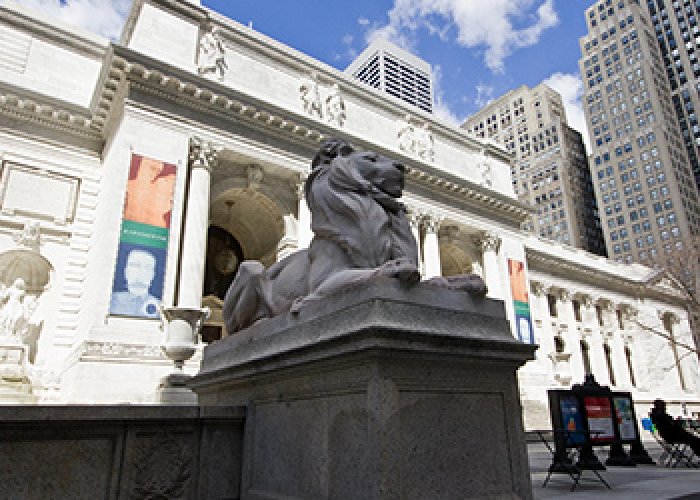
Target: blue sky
479, 49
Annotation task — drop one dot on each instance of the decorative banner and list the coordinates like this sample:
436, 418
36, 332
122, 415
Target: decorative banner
521, 303
572, 420
138, 280
624, 415
600, 417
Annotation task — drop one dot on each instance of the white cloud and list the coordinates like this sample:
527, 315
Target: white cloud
570, 87
484, 95
104, 17
441, 109
498, 26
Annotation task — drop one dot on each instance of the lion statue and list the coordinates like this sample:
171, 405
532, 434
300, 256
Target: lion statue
360, 232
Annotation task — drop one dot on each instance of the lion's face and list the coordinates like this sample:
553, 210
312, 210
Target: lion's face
383, 173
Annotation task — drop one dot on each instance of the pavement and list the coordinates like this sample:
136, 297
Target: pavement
652, 482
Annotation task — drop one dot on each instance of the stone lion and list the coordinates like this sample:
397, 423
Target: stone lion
360, 232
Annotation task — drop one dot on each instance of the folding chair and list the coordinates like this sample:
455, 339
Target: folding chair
674, 454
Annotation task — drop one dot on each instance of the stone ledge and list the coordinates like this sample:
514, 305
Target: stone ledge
382, 316
11, 414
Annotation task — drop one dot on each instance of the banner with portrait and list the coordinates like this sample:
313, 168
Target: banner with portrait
139, 275
521, 302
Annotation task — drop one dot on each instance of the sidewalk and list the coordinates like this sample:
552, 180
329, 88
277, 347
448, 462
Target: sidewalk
637, 483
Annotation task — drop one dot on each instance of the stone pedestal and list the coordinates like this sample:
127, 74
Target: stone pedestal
379, 392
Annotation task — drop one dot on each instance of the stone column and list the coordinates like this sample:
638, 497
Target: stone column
541, 321
590, 332
618, 345
414, 219
607, 336
431, 247
202, 158
304, 232
490, 244
567, 325
289, 242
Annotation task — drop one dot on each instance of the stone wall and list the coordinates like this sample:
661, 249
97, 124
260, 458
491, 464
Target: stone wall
91, 452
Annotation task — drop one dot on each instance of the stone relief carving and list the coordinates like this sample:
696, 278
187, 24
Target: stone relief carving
416, 140
29, 236
486, 172
311, 96
162, 467
212, 55
335, 107
331, 108
255, 176
16, 309
361, 233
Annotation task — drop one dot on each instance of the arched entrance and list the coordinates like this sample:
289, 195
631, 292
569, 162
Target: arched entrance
245, 224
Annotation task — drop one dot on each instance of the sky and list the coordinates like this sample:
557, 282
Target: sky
478, 49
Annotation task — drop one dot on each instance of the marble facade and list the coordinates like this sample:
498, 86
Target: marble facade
240, 116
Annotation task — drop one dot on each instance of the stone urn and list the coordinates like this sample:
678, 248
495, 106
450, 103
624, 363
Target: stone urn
181, 326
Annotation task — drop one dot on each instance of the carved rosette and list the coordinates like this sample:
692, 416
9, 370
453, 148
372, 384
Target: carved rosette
203, 154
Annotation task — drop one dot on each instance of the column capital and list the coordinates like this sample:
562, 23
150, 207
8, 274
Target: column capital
432, 223
586, 301
203, 154
565, 295
298, 185
538, 288
489, 242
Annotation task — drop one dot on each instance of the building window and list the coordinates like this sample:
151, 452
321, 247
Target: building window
552, 303
559, 344
599, 314
620, 319
586, 355
577, 310
630, 369
608, 361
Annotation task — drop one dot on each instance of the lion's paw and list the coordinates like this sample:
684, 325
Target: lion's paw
402, 269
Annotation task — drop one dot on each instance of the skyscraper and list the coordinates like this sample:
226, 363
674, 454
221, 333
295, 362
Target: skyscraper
643, 178
550, 169
395, 71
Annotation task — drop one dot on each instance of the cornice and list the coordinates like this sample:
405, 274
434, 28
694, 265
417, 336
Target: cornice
173, 84
52, 116
85, 43
582, 271
282, 55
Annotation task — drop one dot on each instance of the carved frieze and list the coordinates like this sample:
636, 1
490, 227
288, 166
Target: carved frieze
212, 55
330, 108
416, 140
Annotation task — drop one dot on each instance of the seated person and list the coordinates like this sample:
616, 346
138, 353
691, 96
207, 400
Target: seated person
670, 429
